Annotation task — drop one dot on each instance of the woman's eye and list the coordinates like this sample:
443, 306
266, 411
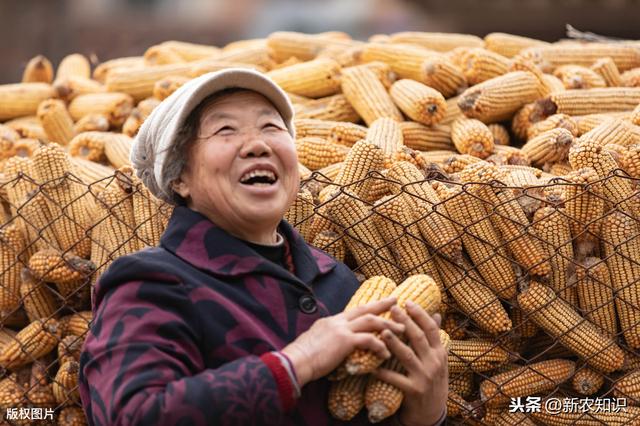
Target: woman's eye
225, 129
272, 126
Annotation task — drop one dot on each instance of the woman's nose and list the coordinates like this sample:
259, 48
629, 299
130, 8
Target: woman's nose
255, 146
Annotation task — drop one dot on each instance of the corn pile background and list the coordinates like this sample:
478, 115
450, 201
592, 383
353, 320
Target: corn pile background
505, 168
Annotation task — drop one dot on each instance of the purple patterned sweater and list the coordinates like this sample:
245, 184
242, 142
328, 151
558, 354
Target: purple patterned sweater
181, 330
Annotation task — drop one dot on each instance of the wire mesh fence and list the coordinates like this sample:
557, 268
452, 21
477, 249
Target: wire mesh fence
539, 275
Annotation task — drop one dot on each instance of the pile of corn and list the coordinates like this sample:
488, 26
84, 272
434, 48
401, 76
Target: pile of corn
505, 169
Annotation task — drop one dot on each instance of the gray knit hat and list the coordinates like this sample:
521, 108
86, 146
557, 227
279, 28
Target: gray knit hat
159, 130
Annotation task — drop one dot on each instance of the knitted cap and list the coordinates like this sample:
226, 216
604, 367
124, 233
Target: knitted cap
159, 130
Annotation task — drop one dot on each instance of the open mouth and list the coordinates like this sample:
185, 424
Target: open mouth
259, 178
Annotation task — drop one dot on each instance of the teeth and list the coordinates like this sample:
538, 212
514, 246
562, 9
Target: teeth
266, 173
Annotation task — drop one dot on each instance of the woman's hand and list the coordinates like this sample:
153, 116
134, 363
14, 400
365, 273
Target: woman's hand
320, 349
425, 385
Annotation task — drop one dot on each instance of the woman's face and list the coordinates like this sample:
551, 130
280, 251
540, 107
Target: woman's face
242, 171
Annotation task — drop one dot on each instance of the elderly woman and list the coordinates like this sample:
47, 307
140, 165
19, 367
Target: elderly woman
234, 318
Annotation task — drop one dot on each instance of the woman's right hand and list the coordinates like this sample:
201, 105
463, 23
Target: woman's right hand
323, 347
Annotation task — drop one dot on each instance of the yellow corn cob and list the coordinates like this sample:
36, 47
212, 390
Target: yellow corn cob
316, 153
482, 241
631, 161
591, 101
40, 392
34, 341
36, 297
500, 134
37, 219
76, 324
549, 146
364, 157
56, 121
304, 172
477, 355
551, 226
552, 84
397, 228
555, 121
101, 72
510, 45
20, 175
413, 156
579, 77
147, 215
419, 102
423, 138
367, 95
116, 106
480, 65
525, 118
461, 383
628, 387
454, 324
634, 118
499, 98
26, 147
183, 51
70, 348
315, 79
381, 398
161, 55
595, 294
387, 134
404, 59
72, 416
509, 156
383, 71
65, 384
473, 297
375, 288
27, 127
118, 236
452, 111
283, 45
528, 380
508, 218
472, 137
92, 123
167, 85
330, 242
307, 127
362, 237
301, 212
442, 75
433, 222
420, 289
90, 146
38, 70
587, 381
588, 122
631, 78
457, 406
616, 189
139, 82
346, 397
346, 134
607, 69
12, 392
93, 174
589, 417
558, 319
116, 147
18, 100
555, 55
335, 108
620, 250
611, 131
53, 266
71, 87
584, 203
73, 65
12, 246
441, 157
440, 42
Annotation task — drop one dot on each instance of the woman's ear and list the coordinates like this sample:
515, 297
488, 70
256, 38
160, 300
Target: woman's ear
180, 187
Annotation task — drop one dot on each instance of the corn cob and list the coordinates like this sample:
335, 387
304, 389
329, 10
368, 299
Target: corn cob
500, 134
72, 416
634, 118
27, 127
36, 297
555, 55
101, 72
551, 226
556, 121
607, 69
592, 416
315, 79
406, 154
595, 294
316, 153
457, 163
186, 52
89, 146
509, 218
452, 111
472, 137
332, 108
499, 98
628, 387
524, 381
510, 45
362, 237
455, 325
70, 348
552, 84
34, 341
620, 251
457, 406
387, 134
631, 161
419, 102
611, 131
420, 289
92, 123
346, 397
69, 88
440, 42
423, 138
631, 78
363, 158
116, 106
283, 45
38, 70
480, 65
53, 266
461, 383
561, 321
116, 148
26, 147
307, 127
375, 288
579, 77
443, 76
12, 246
37, 219
367, 95
591, 101
65, 384
73, 65
473, 297
381, 398
482, 242
300, 213
161, 55
383, 71
19, 173
476, 355
588, 122
167, 85
525, 118
56, 121
76, 324
92, 174
19, 100
587, 381
584, 203
404, 59
40, 392
12, 392
332, 243
508, 156
346, 133
508, 418
139, 82
432, 218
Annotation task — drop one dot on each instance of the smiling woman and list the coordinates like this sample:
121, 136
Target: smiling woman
233, 318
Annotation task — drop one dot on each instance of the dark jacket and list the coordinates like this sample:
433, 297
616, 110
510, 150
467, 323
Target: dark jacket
181, 330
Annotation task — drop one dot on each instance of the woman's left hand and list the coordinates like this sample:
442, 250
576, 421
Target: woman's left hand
425, 385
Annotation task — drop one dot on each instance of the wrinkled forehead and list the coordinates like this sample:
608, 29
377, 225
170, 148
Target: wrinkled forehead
238, 104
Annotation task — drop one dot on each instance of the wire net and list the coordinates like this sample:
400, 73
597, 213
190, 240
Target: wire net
540, 281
